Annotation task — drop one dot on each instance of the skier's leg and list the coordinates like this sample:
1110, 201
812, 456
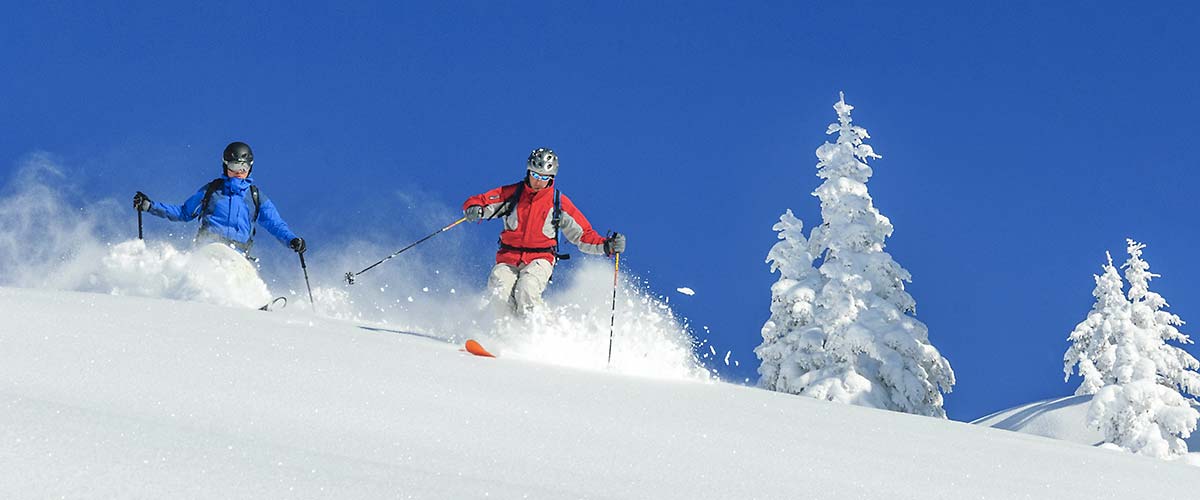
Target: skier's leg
500, 288
531, 282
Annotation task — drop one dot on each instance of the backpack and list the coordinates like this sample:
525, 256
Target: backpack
211, 188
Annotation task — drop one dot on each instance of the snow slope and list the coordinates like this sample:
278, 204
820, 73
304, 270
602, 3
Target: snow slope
125, 397
1061, 418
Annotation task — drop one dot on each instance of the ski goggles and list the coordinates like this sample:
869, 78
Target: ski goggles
238, 166
540, 177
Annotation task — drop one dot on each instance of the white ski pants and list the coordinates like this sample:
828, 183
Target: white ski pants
518, 289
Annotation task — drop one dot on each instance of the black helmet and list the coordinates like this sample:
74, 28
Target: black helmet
237, 152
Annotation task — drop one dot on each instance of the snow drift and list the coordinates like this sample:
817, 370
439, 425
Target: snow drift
116, 397
1063, 418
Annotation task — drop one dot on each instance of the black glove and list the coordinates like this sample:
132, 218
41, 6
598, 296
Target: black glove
141, 202
473, 213
298, 245
614, 244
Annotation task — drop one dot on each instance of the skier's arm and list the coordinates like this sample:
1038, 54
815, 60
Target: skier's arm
269, 219
576, 229
188, 211
493, 202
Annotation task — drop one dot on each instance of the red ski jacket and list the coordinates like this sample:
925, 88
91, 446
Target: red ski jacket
528, 216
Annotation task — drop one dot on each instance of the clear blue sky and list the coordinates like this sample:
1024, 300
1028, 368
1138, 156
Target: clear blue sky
1020, 140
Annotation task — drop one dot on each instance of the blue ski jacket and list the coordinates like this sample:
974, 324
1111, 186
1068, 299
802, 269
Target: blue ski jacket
229, 212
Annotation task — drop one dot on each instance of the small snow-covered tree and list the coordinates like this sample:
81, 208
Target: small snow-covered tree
846, 333
792, 302
1173, 366
1140, 407
1094, 340
1138, 413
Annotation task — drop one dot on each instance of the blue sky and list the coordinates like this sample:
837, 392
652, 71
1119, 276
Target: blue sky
1020, 140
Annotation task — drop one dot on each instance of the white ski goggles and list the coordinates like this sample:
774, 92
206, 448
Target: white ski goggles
237, 166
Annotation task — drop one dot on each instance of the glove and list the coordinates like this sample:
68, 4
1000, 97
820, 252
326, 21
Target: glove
141, 202
473, 213
298, 245
614, 244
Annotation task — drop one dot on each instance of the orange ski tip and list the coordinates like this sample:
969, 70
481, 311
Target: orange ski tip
473, 347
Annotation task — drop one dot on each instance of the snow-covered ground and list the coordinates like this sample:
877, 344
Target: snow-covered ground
106, 396
1063, 418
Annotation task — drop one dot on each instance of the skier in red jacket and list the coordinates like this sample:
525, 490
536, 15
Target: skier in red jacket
534, 215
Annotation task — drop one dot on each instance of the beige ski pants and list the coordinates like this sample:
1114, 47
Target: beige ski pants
518, 289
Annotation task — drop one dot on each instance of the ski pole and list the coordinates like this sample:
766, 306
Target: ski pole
305, 268
612, 323
139, 223
350, 276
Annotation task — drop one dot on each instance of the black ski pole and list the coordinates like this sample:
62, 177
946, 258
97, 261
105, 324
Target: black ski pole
350, 276
139, 210
613, 322
305, 268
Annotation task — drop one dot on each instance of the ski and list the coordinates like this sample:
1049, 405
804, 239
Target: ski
473, 347
271, 305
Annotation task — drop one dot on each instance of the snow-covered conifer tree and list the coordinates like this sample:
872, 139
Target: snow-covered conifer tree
1140, 407
846, 333
1094, 340
1174, 367
792, 302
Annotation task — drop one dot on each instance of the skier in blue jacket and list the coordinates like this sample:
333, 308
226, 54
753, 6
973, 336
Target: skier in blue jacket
228, 206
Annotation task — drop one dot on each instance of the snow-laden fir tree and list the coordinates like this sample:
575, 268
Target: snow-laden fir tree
792, 301
1093, 348
845, 332
1174, 367
1122, 352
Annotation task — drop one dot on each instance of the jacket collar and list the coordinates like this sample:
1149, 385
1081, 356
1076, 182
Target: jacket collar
233, 185
528, 191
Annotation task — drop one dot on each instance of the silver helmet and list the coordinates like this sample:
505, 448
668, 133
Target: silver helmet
543, 161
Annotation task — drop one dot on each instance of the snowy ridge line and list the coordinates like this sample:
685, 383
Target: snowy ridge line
1064, 418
